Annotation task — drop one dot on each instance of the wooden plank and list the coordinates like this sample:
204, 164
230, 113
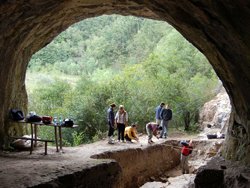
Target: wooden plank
24, 138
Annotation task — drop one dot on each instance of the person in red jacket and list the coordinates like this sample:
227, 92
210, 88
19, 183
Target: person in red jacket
186, 150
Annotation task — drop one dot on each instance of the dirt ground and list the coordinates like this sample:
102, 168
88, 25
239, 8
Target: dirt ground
20, 169
203, 151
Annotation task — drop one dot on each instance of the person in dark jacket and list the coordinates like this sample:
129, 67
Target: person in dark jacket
166, 116
111, 122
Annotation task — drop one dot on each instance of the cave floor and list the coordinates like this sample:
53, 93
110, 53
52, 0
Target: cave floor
20, 169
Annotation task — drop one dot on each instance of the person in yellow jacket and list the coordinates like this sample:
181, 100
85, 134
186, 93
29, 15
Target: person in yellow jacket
130, 133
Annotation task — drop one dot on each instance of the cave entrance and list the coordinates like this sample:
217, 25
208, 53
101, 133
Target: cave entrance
208, 25
138, 55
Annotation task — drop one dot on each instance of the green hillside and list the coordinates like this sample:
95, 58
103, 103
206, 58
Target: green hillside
127, 60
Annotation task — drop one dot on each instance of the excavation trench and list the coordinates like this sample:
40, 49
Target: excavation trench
157, 163
97, 165
140, 165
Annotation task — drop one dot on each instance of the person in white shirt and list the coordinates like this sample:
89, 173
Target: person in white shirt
121, 120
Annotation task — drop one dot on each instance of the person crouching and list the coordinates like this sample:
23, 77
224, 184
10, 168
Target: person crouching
130, 133
153, 129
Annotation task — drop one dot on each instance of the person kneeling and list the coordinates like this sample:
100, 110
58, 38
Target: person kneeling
130, 133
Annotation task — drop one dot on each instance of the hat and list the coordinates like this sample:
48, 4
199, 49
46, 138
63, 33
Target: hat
184, 143
134, 125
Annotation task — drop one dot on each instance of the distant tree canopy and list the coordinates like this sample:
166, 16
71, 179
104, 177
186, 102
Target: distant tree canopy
127, 60
101, 42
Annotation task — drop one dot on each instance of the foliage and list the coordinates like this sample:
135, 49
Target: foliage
77, 138
131, 61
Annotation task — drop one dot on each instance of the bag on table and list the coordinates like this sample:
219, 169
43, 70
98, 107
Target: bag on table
16, 114
32, 117
68, 123
47, 119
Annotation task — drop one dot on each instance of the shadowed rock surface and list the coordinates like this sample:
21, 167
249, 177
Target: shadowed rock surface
219, 173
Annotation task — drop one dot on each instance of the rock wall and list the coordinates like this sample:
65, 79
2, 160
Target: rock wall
220, 173
216, 112
219, 29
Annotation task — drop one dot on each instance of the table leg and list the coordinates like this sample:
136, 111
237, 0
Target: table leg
56, 140
31, 145
60, 137
46, 144
35, 130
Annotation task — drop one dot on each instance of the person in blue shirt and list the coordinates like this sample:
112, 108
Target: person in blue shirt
158, 113
111, 122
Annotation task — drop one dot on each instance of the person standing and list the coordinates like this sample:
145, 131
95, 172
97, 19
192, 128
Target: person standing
166, 116
130, 133
121, 119
111, 122
152, 129
186, 150
158, 112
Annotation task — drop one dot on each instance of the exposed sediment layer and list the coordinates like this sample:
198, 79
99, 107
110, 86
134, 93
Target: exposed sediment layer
102, 165
138, 165
101, 175
120, 165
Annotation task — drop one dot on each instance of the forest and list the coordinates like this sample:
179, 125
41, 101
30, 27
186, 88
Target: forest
128, 60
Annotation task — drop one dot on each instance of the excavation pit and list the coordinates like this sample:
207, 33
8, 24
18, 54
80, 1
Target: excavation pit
93, 165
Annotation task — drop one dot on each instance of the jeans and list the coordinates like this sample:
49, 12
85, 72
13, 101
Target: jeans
184, 164
111, 129
158, 121
127, 138
149, 132
164, 132
121, 129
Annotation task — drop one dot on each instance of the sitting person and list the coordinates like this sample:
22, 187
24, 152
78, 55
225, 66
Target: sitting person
153, 129
130, 133
186, 150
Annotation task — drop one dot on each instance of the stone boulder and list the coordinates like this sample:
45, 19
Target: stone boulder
216, 113
221, 173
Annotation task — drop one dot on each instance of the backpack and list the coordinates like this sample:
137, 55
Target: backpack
47, 119
68, 123
33, 118
16, 114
